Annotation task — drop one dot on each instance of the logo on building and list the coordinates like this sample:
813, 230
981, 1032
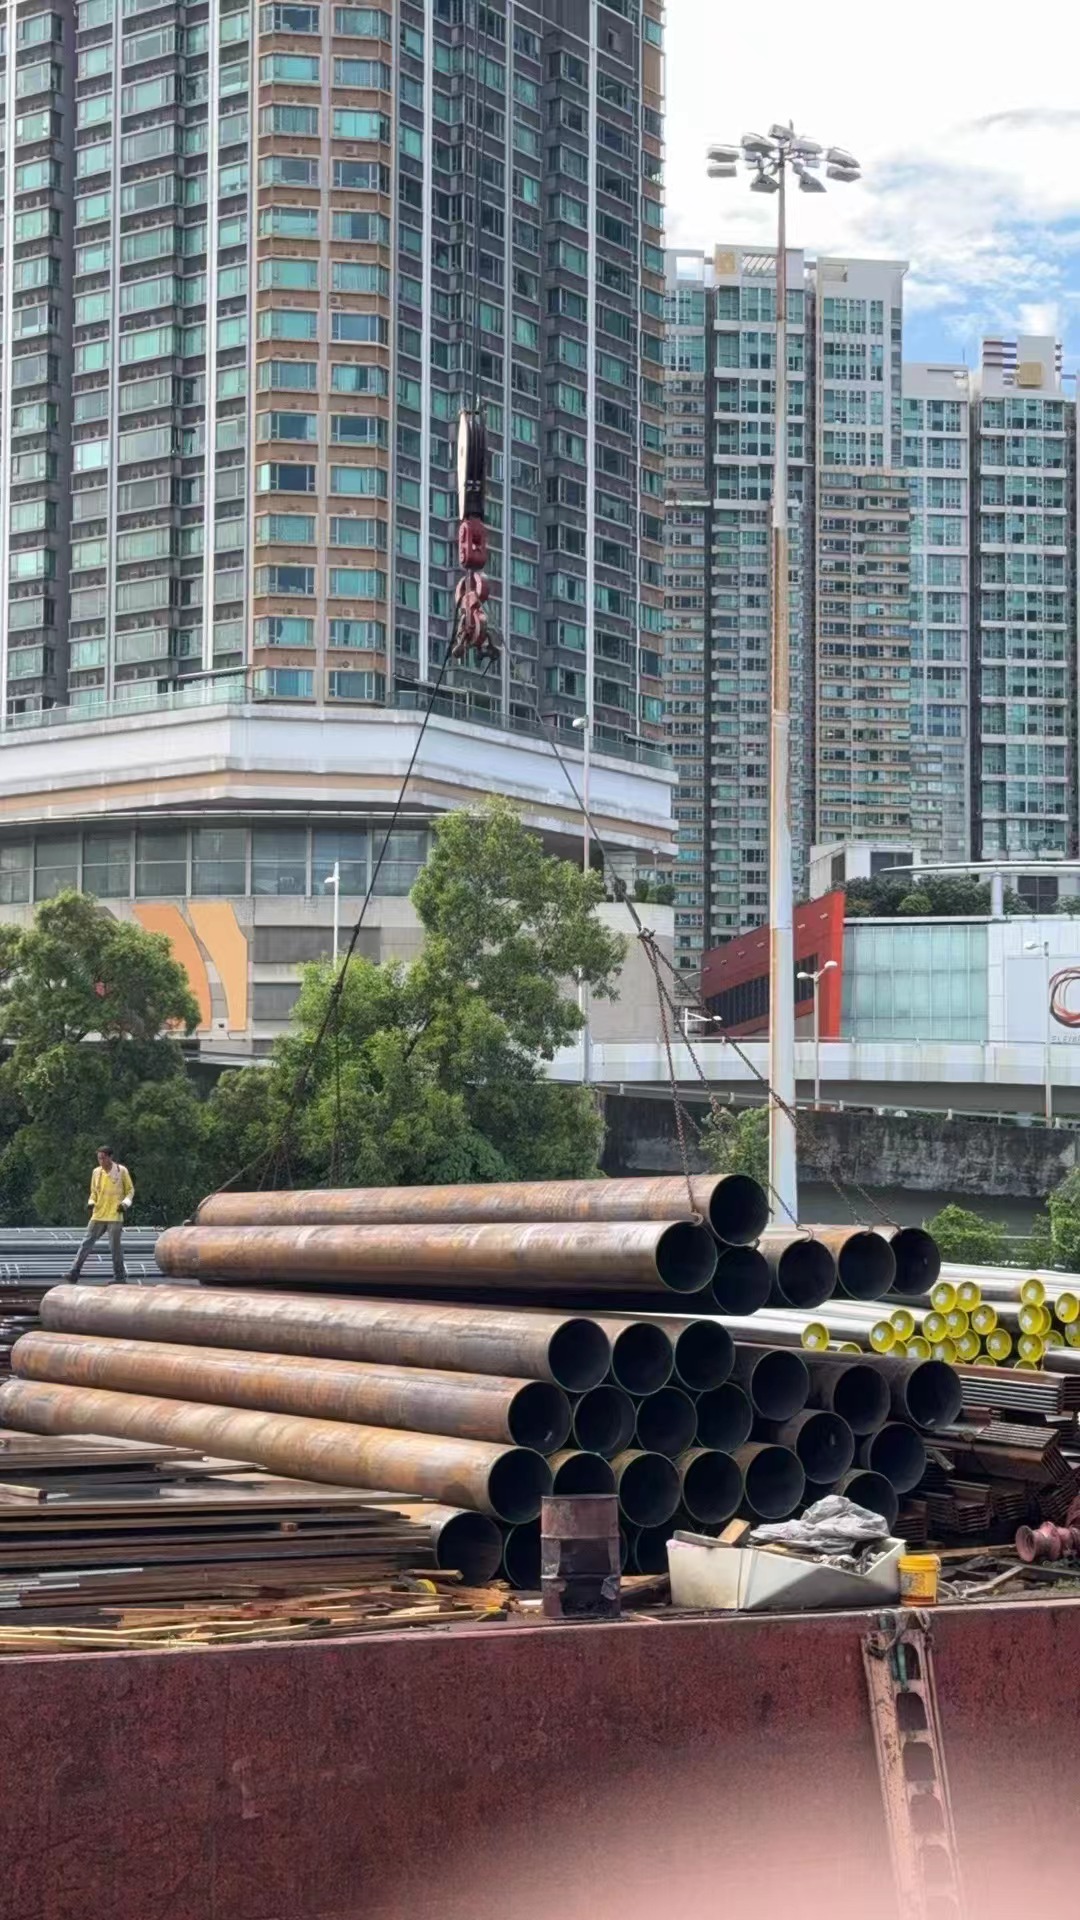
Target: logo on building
1065, 985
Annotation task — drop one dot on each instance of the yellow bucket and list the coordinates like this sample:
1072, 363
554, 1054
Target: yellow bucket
919, 1575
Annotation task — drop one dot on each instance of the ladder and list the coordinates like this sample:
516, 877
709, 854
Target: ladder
899, 1667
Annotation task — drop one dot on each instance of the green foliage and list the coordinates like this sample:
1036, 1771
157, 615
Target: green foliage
905, 896
1060, 1245
966, 1236
736, 1140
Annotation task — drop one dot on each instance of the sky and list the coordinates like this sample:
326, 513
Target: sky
969, 140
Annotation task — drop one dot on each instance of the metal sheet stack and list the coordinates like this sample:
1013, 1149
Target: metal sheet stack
481, 1346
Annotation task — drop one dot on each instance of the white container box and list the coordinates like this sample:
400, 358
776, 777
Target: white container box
706, 1574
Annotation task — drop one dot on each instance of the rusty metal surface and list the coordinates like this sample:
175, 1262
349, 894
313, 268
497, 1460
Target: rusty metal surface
508, 1482
534, 1260
703, 1350
523, 1413
566, 1349
822, 1441
647, 1485
641, 1352
802, 1269
471, 1542
711, 1485
580, 1557
865, 1262
773, 1480
855, 1389
917, 1255
733, 1205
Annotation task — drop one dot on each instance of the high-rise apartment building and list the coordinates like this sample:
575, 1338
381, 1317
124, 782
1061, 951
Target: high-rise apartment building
1024, 627
255, 259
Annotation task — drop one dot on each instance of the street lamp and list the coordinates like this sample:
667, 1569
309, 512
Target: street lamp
333, 879
769, 159
583, 725
1043, 947
815, 977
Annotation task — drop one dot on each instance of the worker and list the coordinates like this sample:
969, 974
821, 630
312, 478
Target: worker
111, 1193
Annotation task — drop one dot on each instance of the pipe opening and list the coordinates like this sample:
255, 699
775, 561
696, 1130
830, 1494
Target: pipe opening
604, 1420
579, 1355
860, 1395
517, 1483
933, 1395
742, 1281
582, 1473
825, 1445
704, 1353
712, 1486
805, 1274
539, 1417
666, 1422
685, 1257
873, 1491
648, 1550
918, 1260
725, 1418
738, 1210
648, 1485
865, 1266
641, 1358
898, 1453
521, 1556
473, 1544
773, 1481
779, 1383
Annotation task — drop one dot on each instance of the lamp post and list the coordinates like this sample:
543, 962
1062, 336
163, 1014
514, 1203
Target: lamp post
1043, 947
583, 725
334, 880
770, 158
815, 977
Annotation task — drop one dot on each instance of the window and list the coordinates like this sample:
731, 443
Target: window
107, 865
289, 276
357, 276
362, 73
288, 223
352, 123
218, 863
56, 866
406, 852
357, 429
296, 375
366, 23
299, 69
285, 323
284, 477
364, 684
279, 860
14, 873
288, 581
347, 378
347, 849
289, 119
366, 634
286, 529
357, 583
368, 481
374, 227
288, 683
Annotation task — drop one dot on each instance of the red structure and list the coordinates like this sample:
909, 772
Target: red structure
735, 978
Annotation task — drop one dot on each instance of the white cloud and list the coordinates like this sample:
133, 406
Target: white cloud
969, 154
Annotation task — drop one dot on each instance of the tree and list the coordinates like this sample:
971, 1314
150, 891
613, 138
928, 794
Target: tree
918, 893
967, 1237
1059, 1246
737, 1141
434, 1072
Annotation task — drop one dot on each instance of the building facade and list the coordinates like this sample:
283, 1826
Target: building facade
255, 260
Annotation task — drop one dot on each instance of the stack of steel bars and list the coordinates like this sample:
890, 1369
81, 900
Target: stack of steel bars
33, 1259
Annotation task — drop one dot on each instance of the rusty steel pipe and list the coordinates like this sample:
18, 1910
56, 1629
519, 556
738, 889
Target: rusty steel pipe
647, 1485
666, 1422
897, 1452
773, 1480
642, 1360
870, 1490
469, 1542
917, 1256
521, 1556
571, 1352
802, 1271
549, 1259
823, 1443
732, 1205
648, 1548
604, 1421
776, 1379
741, 1282
508, 1482
711, 1485
725, 1417
575, 1472
704, 1352
927, 1392
865, 1263
855, 1389
470, 1406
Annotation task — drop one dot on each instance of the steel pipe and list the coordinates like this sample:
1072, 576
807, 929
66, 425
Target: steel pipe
648, 1548
704, 1352
897, 1452
741, 1282
725, 1418
926, 1392
574, 1353
521, 1556
604, 1421
642, 1360
547, 1259
666, 1422
776, 1380
508, 1482
856, 1390
802, 1270
470, 1406
865, 1263
917, 1256
469, 1542
647, 1485
712, 1485
871, 1490
732, 1205
575, 1472
823, 1443
773, 1480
